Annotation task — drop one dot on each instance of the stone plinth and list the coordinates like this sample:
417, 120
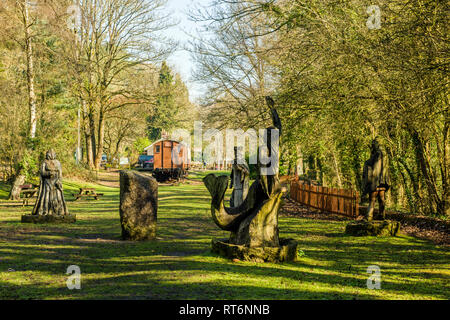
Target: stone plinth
287, 251
49, 218
381, 228
138, 206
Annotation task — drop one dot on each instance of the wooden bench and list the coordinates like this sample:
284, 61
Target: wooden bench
27, 192
87, 193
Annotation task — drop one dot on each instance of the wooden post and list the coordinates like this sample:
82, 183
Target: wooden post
317, 197
309, 196
335, 200
341, 201
320, 190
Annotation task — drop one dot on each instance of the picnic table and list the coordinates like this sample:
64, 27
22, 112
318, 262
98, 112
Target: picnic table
87, 193
28, 191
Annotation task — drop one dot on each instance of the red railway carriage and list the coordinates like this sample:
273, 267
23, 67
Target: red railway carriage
171, 159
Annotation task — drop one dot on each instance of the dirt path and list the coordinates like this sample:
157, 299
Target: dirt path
109, 179
112, 179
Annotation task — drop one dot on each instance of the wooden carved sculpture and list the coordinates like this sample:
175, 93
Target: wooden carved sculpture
376, 181
254, 223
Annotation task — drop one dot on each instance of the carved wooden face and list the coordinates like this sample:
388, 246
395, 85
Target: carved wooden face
375, 147
51, 155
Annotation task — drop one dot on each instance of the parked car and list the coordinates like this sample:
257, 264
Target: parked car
104, 160
145, 161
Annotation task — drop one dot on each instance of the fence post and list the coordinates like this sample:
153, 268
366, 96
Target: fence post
318, 197
342, 201
320, 189
291, 190
309, 195
299, 192
304, 194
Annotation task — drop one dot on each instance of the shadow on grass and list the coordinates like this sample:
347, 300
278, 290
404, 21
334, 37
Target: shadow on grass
158, 274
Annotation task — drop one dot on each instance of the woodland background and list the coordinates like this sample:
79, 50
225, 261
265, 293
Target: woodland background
337, 84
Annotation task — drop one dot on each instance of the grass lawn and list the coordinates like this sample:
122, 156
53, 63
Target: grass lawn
179, 265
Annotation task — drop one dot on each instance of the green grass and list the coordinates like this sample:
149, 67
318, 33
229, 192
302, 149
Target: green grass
179, 265
199, 175
4, 190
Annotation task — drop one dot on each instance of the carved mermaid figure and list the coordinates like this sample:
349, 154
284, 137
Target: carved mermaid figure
253, 223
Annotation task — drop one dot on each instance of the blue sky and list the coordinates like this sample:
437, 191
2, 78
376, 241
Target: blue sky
181, 61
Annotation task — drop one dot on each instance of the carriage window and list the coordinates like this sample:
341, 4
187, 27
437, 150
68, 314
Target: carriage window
157, 149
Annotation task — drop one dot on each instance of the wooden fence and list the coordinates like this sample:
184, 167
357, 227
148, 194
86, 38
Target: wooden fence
339, 201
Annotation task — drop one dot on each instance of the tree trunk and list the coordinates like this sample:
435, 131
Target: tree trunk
93, 142
100, 140
316, 168
446, 166
356, 163
19, 180
424, 165
336, 167
87, 136
299, 163
30, 69
89, 155
414, 180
